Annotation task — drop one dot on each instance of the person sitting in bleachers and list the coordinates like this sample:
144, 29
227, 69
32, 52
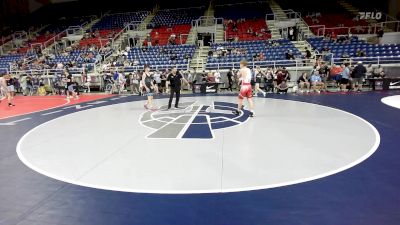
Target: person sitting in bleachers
148, 40
210, 78
234, 27
289, 55
316, 82
360, 53
303, 83
282, 88
335, 73
378, 72
172, 39
369, 72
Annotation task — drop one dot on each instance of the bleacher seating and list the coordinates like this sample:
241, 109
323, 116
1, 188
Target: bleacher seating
162, 34
119, 21
259, 27
171, 17
157, 59
252, 48
100, 41
6, 60
73, 56
388, 53
110, 25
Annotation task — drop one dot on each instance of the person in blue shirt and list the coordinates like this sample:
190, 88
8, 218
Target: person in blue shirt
316, 82
344, 81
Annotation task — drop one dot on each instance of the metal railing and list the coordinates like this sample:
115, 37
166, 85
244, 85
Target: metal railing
291, 14
130, 69
372, 29
56, 71
299, 62
378, 60
270, 16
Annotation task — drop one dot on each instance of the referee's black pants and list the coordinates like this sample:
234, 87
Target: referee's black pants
171, 96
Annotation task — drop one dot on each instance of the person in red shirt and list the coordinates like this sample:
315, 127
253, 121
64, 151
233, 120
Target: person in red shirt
334, 36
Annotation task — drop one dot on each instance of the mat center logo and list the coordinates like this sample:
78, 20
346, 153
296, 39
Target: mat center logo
192, 120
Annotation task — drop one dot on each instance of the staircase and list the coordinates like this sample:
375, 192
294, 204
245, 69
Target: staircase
274, 31
303, 27
277, 10
147, 20
220, 34
191, 40
199, 60
91, 24
280, 15
122, 40
302, 45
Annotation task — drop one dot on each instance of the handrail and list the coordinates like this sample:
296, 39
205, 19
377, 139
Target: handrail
274, 63
368, 60
239, 3
126, 13
268, 15
299, 62
141, 67
371, 29
194, 7
125, 29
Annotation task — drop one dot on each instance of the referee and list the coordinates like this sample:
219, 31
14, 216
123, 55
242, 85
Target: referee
175, 80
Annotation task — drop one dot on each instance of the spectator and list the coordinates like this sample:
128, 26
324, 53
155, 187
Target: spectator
334, 36
358, 76
217, 76
234, 27
345, 77
289, 55
210, 78
261, 56
370, 71
378, 72
282, 88
134, 82
307, 53
291, 34
304, 83
172, 40
148, 40
230, 80
269, 81
360, 53
380, 36
335, 73
136, 40
316, 82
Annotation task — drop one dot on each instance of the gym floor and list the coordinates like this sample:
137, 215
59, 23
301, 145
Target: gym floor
303, 159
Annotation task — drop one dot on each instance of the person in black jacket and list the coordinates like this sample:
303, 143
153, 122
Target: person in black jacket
230, 80
175, 82
358, 76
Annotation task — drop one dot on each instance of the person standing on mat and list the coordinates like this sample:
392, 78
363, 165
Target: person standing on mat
7, 86
244, 75
148, 85
175, 82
